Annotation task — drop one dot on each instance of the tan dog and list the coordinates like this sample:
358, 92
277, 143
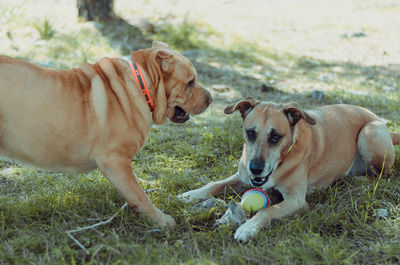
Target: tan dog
95, 116
296, 151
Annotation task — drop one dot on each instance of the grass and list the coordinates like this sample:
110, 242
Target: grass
45, 30
300, 50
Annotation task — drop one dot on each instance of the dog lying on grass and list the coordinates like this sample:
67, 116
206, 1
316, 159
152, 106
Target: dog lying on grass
97, 115
296, 151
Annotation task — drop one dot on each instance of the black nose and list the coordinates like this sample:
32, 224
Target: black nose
210, 100
256, 166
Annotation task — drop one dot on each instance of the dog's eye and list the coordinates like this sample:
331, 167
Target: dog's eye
191, 83
251, 135
275, 138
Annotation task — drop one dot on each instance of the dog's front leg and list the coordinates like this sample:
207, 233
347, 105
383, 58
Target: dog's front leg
211, 189
120, 174
289, 206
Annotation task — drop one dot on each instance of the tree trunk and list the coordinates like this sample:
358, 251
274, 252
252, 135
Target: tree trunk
95, 10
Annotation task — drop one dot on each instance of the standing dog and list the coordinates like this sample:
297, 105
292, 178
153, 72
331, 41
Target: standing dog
97, 115
296, 151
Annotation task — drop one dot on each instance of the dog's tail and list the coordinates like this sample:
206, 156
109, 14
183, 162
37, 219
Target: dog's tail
395, 138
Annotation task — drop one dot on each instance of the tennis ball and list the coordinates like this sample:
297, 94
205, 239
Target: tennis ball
254, 200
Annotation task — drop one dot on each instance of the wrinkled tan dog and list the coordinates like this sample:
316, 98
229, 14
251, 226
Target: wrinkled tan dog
95, 116
296, 151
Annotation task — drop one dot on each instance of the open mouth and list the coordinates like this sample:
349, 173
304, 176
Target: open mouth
259, 181
180, 116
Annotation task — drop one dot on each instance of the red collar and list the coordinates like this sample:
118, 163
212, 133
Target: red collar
137, 73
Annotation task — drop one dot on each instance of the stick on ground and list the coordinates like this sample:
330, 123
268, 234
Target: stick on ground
109, 220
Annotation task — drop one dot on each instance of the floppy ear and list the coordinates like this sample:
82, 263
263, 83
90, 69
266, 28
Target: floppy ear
160, 44
166, 59
160, 104
294, 114
159, 92
244, 106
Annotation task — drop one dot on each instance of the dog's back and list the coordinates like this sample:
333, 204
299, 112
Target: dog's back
38, 112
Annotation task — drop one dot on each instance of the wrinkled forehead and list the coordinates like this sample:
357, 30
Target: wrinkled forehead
267, 116
183, 66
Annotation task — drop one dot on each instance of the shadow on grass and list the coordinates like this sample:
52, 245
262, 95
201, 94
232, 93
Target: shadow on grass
369, 77
244, 70
122, 35
374, 87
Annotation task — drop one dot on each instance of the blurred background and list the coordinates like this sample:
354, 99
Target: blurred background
343, 46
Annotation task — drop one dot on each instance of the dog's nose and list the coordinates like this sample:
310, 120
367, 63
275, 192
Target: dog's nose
257, 166
210, 100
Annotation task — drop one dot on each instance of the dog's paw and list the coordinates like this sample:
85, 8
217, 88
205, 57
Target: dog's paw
188, 196
162, 219
247, 230
166, 221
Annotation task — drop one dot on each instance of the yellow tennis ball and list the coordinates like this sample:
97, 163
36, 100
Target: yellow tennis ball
254, 200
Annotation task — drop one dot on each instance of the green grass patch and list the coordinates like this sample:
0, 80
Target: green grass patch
45, 29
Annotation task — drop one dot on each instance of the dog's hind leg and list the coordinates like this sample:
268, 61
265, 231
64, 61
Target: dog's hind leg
375, 148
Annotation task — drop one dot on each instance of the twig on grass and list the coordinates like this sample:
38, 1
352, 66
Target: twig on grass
78, 243
80, 229
109, 220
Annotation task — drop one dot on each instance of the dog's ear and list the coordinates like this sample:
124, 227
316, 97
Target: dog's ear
244, 106
294, 114
160, 44
166, 59
162, 63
